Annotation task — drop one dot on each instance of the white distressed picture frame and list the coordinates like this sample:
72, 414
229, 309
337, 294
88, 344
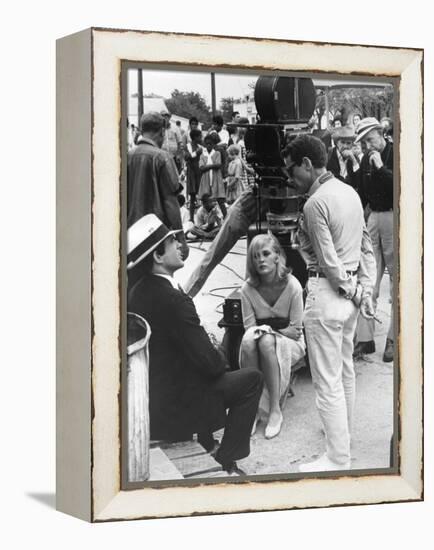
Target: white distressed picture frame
89, 269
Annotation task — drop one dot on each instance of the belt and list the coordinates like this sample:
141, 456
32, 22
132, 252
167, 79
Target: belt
313, 273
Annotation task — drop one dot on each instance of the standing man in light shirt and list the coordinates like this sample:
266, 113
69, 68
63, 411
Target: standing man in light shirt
337, 249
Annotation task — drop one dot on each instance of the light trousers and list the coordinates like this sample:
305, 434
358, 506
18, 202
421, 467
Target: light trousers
330, 322
380, 227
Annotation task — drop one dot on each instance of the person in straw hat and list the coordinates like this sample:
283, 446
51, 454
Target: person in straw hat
189, 386
376, 191
342, 162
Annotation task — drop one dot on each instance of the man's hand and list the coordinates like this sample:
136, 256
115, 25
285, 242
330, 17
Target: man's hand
185, 251
294, 332
348, 154
367, 307
375, 160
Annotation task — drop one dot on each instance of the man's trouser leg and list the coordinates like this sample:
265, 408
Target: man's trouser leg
330, 321
365, 327
385, 224
348, 374
241, 392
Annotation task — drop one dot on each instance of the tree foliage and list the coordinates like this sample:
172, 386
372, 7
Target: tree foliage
227, 108
188, 104
344, 102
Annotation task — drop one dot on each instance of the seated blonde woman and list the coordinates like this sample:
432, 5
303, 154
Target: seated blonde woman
272, 306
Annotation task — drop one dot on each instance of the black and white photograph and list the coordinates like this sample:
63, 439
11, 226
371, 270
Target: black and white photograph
260, 226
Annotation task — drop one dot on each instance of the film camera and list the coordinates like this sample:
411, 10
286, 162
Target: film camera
284, 106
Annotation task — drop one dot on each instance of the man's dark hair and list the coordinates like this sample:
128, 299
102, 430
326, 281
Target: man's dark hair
195, 134
193, 119
151, 123
309, 146
147, 263
218, 119
235, 113
205, 197
181, 199
213, 137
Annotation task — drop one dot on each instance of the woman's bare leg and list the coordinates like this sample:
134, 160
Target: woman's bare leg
271, 372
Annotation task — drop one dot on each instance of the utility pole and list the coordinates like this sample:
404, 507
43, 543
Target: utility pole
213, 105
139, 95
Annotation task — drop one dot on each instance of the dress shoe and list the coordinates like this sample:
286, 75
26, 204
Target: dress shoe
273, 429
233, 469
324, 464
388, 351
363, 348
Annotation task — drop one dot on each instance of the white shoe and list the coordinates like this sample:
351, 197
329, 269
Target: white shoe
272, 430
324, 464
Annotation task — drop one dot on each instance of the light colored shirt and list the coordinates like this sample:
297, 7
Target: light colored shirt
224, 136
203, 217
172, 141
333, 237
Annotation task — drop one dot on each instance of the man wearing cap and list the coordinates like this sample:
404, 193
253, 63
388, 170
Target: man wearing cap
189, 388
152, 177
338, 253
376, 191
342, 162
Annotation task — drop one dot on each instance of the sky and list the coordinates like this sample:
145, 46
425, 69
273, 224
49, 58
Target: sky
163, 82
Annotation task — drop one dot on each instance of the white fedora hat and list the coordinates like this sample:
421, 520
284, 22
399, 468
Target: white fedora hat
144, 236
365, 126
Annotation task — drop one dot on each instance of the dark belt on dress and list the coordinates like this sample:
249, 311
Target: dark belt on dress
313, 273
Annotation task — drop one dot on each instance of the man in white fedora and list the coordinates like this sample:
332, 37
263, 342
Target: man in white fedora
189, 386
376, 192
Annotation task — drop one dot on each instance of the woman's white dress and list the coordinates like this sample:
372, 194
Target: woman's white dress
288, 351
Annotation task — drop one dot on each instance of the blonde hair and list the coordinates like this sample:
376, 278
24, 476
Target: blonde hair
258, 242
233, 150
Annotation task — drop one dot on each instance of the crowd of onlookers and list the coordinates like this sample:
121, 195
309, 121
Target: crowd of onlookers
212, 169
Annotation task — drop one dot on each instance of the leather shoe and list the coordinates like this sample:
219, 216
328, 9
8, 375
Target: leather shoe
364, 348
323, 464
273, 429
233, 469
388, 351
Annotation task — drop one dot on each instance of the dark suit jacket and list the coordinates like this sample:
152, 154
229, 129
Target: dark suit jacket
183, 364
334, 167
376, 186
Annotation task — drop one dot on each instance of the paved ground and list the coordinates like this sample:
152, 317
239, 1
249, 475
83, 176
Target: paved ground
301, 438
